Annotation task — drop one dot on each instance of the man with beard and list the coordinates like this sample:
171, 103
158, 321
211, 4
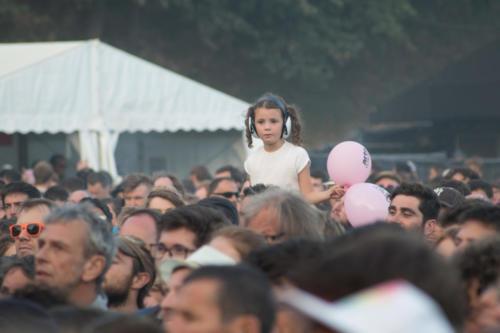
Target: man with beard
75, 250
415, 207
130, 276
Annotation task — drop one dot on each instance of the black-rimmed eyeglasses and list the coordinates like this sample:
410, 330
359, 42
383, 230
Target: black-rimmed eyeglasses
158, 250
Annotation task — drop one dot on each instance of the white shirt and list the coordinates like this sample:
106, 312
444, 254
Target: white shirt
280, 167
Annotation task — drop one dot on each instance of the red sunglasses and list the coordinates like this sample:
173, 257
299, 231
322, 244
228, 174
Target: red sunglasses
33, 229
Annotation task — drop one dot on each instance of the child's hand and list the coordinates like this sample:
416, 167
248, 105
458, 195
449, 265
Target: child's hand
336, 192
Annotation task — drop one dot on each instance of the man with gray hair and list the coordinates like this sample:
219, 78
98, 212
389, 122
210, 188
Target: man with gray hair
76, 249
279, 214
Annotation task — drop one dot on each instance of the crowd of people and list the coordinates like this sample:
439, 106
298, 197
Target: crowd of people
262, 247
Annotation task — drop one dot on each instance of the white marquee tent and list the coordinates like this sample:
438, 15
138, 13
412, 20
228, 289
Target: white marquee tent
94, 92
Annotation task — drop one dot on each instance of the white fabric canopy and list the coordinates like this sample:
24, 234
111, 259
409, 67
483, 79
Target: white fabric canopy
99, 91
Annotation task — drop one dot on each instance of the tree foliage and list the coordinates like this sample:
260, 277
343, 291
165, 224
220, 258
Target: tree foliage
305, 39
295, 39
331, 57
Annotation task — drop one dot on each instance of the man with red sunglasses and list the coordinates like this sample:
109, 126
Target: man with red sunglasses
29, 226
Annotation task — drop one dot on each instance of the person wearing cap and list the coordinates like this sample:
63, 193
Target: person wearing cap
173, 271
448, 197
415, 207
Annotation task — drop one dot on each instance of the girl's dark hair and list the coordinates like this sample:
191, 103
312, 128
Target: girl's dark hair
262, 102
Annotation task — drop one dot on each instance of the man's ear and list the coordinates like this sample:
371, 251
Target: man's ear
430, 227
93, 267
140, 280
245, 324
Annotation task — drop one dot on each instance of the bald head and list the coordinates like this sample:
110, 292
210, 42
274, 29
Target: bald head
142, 226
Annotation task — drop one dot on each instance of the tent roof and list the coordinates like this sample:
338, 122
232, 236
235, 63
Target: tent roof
89, 85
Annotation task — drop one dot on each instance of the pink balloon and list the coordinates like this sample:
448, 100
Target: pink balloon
349, 163
366, 203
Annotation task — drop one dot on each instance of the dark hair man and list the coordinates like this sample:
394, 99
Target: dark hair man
415, 207
136, 188
199, 173
99, 185
318, 177
58, 194
185, 229
14, 194
477, 223
130, 276
75, 250
229, 171
224, 299
462, 174
58, 163
478, 186
224, 188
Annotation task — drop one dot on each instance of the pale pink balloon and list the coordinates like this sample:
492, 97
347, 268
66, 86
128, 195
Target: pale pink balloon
349, 163
366, 203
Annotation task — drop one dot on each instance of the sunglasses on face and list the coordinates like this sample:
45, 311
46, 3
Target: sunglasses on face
228, 195
33, 229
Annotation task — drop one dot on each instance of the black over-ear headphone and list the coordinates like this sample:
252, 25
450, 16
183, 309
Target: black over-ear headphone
287, 123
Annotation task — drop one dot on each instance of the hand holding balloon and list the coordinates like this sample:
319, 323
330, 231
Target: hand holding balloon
336, 192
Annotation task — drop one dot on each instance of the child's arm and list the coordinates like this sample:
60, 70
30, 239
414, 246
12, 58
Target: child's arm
312, 196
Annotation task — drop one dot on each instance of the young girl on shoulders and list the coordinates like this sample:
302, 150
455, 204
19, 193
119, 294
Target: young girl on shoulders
279, 162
